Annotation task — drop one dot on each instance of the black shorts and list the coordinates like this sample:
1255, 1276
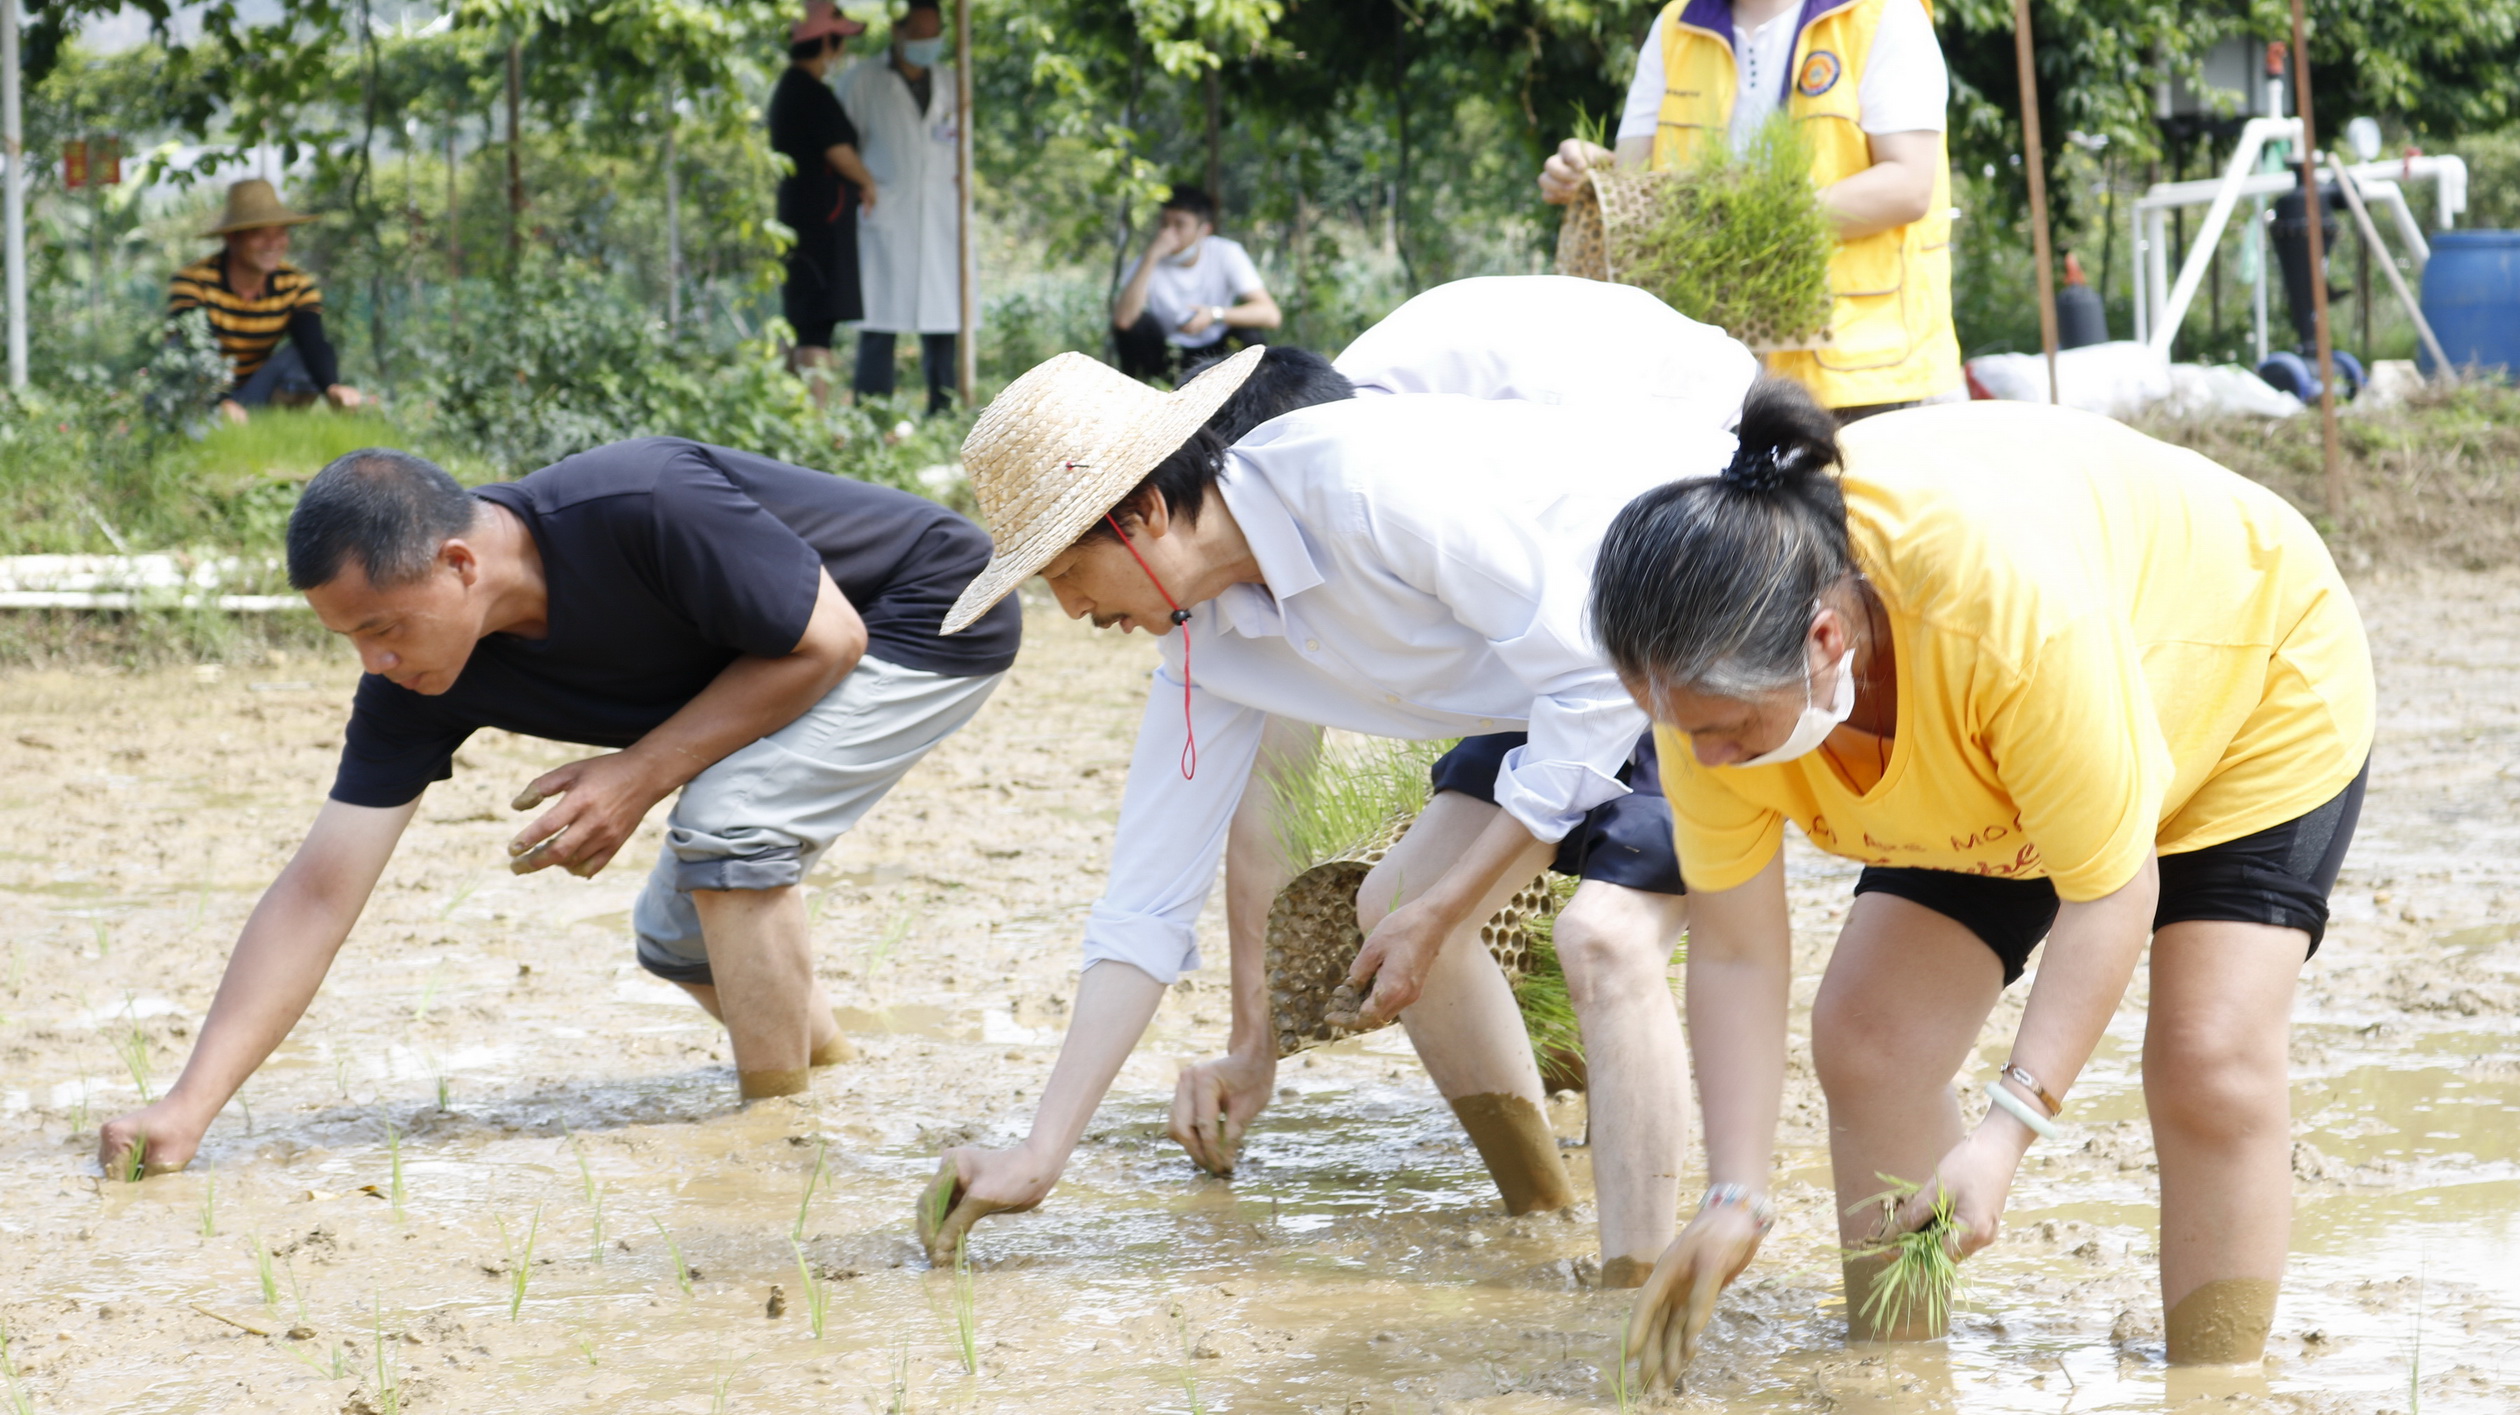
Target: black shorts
1625, 842
2279, 876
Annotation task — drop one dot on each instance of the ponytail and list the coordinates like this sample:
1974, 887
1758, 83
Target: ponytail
1709, 583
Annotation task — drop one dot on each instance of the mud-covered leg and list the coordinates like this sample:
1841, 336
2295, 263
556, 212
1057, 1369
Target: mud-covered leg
1615, 944
2216, 1084
765, 984
1464, 1024
1906, 991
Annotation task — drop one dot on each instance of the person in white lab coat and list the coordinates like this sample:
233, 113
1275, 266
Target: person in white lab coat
903, 106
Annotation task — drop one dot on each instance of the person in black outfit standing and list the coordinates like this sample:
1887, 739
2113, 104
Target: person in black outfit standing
808, 127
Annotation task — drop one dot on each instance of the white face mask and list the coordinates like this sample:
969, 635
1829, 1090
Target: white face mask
1816, 722
923, 53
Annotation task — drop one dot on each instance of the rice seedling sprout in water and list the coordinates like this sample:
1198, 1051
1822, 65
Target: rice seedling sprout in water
428, 993
817, 1293
594, 1194
264, 1277
133, 1161
20, 1403
966, 1313
1917, 1271
682, 1270
520, 1261
813, 1179
879, 952
132, 1044
388, 1397
586, 1348
209, 1202
297, 1294
1189, 1364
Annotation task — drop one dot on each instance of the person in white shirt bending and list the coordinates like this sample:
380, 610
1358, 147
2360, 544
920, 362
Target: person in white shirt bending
1389, 565
1192, 291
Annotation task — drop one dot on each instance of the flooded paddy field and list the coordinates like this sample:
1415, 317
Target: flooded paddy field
498, 1168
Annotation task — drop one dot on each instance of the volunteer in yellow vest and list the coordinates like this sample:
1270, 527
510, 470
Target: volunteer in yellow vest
1866, 82
2046, 678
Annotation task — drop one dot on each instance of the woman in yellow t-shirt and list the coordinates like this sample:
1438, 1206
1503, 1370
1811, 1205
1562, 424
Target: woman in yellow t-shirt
2045, 678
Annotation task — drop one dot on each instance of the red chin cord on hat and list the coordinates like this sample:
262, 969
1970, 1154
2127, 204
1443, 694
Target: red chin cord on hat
1180, 616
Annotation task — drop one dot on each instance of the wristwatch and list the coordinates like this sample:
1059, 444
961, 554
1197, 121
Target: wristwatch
1217, 313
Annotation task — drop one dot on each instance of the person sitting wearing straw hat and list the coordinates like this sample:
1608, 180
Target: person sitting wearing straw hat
267, 314
1386, 565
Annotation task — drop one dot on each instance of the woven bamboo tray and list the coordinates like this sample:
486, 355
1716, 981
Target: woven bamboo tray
1313, 939
1614, 204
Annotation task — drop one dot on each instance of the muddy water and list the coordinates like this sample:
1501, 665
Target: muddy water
1360, 1262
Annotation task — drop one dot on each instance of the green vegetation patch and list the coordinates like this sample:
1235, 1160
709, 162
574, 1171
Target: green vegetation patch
1739, 242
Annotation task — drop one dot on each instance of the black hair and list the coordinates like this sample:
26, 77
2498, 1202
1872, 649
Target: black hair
1289, 377
916, 5
385, 510
1709, 583
807, 50
1195, 200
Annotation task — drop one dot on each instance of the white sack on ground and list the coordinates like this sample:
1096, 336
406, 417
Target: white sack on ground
2223, 390
2118, 379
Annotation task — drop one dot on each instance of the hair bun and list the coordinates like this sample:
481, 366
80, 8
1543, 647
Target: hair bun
1785, 439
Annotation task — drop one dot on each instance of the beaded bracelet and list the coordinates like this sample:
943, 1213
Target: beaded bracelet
1743, 1196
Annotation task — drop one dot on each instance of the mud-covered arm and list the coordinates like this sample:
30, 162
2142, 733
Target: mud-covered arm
280, 960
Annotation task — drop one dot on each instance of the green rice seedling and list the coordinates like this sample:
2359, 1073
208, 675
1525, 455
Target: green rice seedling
900, 1404
717, 1396
520, 1261
79, 1111
462, 892
133, 1162
246, 1107
132, 1045
209, 1202
813, 1180
341, 1072
1740, 242
297, 1294
594, 1194
428, 992
879, 952
1917, 1271
264, 1276
393, 1156
104, 938
20, 1403
1189, 1364
682, 1270
388, 1396
1618, 1371
1340, 801
966, 1312
816, 1292
586, 1348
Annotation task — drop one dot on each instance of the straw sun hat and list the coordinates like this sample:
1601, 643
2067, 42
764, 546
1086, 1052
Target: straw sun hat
1060, 447
252, 205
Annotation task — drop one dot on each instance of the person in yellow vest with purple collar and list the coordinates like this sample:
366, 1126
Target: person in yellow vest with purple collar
1866, 82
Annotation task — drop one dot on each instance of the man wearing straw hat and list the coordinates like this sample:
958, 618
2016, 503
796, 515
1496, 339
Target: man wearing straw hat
267, 314
1392, 566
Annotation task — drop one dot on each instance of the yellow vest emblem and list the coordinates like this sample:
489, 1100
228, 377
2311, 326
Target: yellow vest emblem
1819, 73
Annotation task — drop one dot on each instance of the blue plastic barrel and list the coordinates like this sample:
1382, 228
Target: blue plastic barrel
2472, 297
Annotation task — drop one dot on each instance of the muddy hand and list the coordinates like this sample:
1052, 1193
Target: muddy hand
952, 1203
535, 856
161, 1137
1390, 970
1676, 1302
1215, 1102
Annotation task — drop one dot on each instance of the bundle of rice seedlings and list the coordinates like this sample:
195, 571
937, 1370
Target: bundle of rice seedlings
1548, 1012
1740, 242
1916, 1272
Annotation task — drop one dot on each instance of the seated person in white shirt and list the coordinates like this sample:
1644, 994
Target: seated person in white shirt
1192, 292
1436, 608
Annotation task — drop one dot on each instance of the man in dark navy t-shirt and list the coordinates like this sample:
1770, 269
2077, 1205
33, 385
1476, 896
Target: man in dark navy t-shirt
758, 637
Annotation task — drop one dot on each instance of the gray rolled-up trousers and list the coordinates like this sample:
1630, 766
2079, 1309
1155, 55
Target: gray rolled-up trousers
761, 816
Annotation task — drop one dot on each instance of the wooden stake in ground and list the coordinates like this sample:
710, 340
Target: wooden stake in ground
516, 164
2034, 156
13, 152
966, 352
2331, 454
